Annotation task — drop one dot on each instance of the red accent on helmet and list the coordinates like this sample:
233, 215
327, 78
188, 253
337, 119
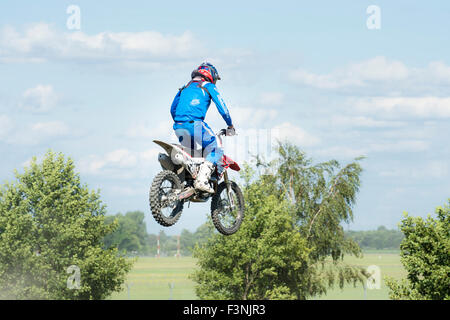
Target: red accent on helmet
206, 73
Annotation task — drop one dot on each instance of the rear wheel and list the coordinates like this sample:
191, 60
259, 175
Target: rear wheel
164, 203
227, 218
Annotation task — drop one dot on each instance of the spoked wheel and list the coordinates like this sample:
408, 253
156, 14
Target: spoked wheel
227, 209
164, 203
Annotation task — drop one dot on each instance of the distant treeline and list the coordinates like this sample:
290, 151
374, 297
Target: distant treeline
382, 238
131, 237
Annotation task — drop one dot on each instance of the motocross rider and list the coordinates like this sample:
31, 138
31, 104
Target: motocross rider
188, 111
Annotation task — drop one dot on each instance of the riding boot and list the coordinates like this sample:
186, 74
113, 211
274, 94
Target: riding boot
204, 173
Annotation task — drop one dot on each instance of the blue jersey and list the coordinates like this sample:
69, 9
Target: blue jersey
192, 102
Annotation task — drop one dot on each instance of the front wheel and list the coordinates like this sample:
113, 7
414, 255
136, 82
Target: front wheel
164, 203
227, 216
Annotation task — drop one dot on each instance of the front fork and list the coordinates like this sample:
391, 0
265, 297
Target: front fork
229, 191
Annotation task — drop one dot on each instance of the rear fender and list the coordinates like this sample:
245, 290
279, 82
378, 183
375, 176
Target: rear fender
175, 156
173, 151
166, 146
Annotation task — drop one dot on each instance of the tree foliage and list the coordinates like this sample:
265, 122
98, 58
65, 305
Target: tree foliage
49, 221
291, 244
189, 240
131, 233
425, 255
263, 260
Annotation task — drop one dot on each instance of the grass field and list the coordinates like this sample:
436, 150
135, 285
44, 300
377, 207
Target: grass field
388, 264
161, 278
168, 278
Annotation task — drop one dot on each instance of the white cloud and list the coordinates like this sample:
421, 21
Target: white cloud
353, 151
120, 163
271, 98
342, 152
422, 107
161, 131
50, 129
42, 42
36, 133
150, 155
249, 117
120, 158
6, 125
438, 71
435, 169
438, 169
294, 134
127, 191
399, 146
326, 81
380, 76
41, 98
364, 122
378, 69
354, 75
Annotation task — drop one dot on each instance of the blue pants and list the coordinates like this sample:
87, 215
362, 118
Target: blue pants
191, 132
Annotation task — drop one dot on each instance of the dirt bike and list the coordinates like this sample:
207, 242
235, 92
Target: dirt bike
174, 186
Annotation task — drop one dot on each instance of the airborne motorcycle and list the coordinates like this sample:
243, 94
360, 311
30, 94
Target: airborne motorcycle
174, 186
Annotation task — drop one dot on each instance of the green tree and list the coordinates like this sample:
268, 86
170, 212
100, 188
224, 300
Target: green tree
265, 259
291, 244
204, 233
49, 222
131, 234
323, 196
187, 242
168, 243
425, 255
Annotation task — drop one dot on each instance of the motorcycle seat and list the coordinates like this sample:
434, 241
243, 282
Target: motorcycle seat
194, 153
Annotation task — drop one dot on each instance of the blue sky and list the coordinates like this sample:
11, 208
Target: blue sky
312, 71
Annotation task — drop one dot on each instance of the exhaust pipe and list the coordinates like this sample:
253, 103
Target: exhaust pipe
165, 162
186, 193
